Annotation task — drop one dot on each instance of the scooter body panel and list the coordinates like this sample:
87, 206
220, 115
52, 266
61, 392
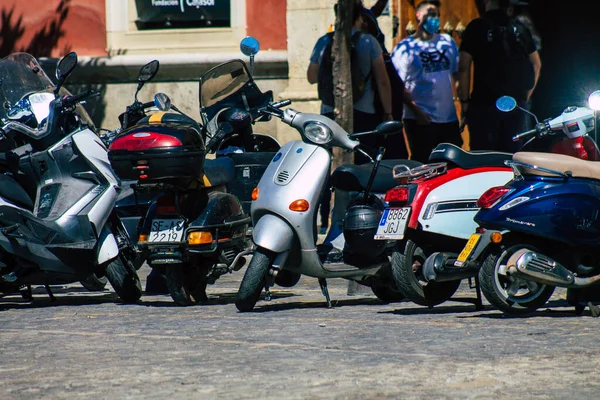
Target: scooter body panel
565, 210
450, 207
297, 172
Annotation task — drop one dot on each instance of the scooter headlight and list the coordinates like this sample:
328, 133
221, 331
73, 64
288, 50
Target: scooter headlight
317, 133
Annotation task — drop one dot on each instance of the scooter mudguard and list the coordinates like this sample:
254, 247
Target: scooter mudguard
108, 248
565, 210
272, 233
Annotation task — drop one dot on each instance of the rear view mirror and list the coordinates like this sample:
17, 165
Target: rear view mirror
389, 128
506, 103
64, 68
249, 46
148, 71
162, 102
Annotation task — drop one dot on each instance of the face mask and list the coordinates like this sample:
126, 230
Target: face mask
432, 25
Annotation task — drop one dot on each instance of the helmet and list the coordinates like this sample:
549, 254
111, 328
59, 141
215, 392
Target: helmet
360, 225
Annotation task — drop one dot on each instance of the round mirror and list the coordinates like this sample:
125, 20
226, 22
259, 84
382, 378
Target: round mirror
249, 46
162, 102
148, 71
66, 65
506, 103
594, 100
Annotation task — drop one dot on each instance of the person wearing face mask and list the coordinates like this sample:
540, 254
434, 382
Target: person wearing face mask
427, 62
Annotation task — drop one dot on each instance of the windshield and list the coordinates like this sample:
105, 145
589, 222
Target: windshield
221, 81
20, 74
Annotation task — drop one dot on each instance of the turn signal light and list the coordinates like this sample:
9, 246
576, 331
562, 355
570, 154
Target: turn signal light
142, 238
397, 195
199, 237
496, 237
492, 196
299, 205
255, 193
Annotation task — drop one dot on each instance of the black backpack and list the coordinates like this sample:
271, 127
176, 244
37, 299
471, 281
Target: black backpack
509, 70
325, 80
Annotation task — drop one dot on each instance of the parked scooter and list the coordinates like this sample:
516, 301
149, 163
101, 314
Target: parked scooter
284, 211
432, 210
537, 232
544, 217
194, 229
57, 195
238, 107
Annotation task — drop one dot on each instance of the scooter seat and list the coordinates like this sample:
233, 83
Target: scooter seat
12, 191
218, 171
560, 163
447, 152
356, 177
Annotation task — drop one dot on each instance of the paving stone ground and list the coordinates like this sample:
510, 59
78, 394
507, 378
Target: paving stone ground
89, 345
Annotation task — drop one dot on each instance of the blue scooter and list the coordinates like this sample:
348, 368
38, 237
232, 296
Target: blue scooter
542, 229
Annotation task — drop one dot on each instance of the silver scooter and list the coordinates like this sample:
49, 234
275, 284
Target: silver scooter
57, 190
285, 205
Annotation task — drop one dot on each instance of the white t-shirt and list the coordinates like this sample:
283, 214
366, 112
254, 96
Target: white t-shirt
426, 67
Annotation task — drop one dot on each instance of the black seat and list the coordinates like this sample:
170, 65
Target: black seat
356, 177
218, 171
12, 191
447, 152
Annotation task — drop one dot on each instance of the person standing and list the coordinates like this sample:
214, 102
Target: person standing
373, 73
427, 62
505, 62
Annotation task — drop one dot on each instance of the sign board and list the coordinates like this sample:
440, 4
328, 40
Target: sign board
176, 14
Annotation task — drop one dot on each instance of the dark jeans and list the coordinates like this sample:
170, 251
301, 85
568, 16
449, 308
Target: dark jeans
422, 139
491, 129
364, 122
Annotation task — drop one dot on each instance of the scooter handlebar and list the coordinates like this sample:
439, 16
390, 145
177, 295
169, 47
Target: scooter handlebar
530, 132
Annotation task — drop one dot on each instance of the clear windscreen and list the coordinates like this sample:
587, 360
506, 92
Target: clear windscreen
220, 82
20, 74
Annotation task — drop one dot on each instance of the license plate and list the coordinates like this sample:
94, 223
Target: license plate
466, 252
166, 230
393, 223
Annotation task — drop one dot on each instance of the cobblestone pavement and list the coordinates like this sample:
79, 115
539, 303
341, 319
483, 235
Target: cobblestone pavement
89, 345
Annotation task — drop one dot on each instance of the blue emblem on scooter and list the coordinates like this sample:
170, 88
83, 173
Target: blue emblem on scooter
299, 150
277, 157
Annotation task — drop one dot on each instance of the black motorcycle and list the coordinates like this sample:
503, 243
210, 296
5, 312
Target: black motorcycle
193, 230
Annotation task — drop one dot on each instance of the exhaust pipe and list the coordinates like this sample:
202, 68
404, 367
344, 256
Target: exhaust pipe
539, 268
439, 267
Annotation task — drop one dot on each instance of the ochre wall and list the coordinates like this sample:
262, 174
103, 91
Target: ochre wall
53, 27
266, 22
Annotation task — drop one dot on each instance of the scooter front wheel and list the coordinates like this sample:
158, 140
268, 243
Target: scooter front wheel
506, 293
407, 266
124, 279
254, 279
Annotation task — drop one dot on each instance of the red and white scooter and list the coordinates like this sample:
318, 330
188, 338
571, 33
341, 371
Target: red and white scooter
431, 211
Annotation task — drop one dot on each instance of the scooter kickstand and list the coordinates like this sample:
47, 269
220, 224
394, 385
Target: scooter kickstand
50, 294
478, 301
323, 283
268, 295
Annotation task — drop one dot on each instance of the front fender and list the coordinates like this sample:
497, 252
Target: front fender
272, 233
108, 248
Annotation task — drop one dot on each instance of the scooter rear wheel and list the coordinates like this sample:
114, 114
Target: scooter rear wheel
124, 279
513, 296
406, 269
254, 279
185, 284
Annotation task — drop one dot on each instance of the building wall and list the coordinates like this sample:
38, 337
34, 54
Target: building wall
53, 27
